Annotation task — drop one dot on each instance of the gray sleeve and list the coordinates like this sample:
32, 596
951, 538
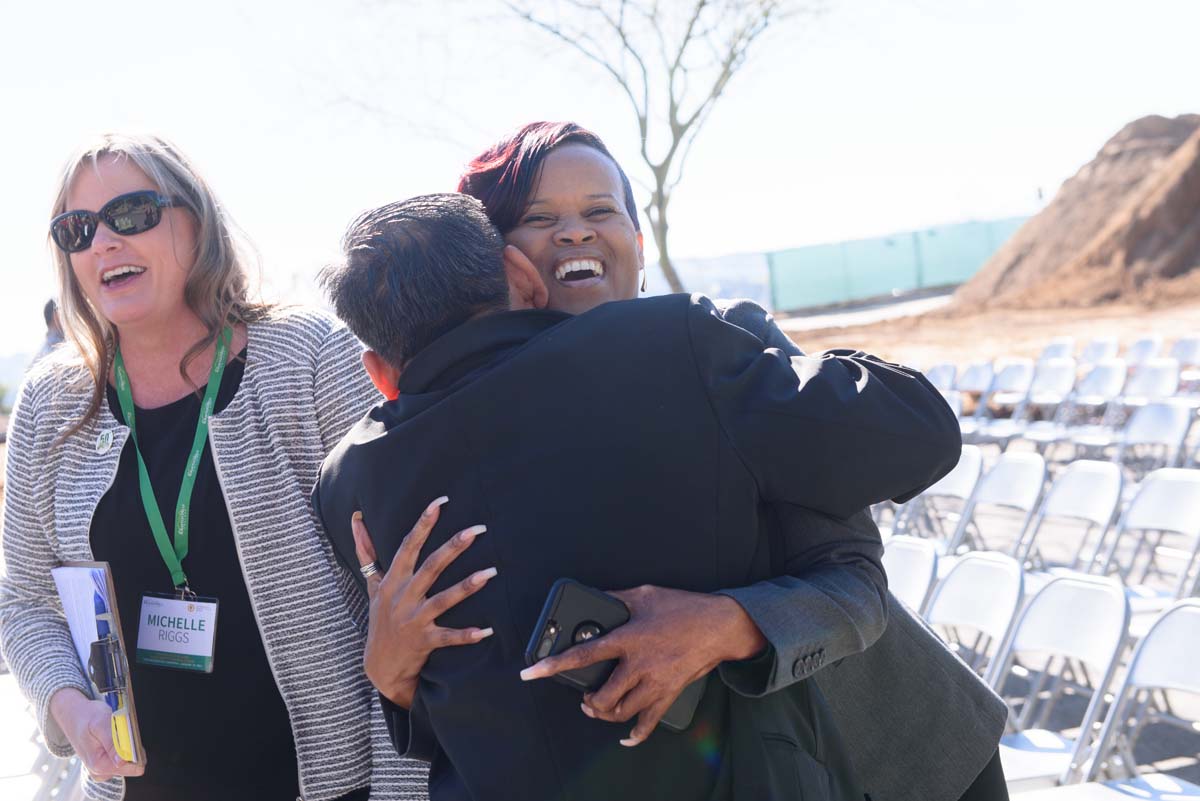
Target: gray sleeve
829, 602
34, 636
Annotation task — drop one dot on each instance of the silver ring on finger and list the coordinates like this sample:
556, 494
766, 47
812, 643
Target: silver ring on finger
369, 570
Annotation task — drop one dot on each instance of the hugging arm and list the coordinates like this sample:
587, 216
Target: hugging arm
834, 432
831, 567
829, 601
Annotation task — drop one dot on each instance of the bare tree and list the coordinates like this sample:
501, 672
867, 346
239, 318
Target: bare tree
672, 60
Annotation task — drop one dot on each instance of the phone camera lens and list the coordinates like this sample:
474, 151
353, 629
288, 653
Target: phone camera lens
587, 631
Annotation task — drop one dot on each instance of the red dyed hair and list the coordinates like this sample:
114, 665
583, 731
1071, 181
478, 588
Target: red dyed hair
503, 176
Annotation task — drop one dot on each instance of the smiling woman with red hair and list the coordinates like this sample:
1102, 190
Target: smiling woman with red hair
556, 192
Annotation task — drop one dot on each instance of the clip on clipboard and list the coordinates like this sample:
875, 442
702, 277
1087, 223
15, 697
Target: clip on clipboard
106, 666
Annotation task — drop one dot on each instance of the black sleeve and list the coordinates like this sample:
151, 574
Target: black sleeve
835, 432
411, 734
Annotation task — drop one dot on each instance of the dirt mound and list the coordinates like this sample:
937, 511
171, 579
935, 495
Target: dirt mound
1126, 228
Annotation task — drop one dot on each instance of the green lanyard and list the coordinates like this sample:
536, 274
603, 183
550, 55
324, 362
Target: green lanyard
174, 555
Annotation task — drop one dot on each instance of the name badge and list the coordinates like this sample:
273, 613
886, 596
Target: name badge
177, 633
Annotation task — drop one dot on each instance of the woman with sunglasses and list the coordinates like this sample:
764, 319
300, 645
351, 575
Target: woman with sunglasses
113, 456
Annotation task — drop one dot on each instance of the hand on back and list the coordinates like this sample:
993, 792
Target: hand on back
403, 628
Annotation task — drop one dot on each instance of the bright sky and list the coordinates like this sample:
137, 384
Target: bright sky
880, 116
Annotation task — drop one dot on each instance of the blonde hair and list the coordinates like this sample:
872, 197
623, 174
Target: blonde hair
218, 284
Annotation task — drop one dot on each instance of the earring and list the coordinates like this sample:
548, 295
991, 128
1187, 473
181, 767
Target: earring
643, 279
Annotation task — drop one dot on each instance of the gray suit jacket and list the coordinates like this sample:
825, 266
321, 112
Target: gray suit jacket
918, 723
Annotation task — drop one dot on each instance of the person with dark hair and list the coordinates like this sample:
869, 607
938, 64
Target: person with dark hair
439, 236
539, 186
54, 331
647, 444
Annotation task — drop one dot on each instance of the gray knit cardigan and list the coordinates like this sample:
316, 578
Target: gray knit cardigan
302, 388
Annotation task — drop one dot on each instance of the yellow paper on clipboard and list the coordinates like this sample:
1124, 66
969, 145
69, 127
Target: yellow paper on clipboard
90, 604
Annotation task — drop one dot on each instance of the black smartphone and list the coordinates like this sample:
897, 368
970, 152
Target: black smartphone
575, 613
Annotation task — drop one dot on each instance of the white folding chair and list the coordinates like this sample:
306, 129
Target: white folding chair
1164, 662
1154, 380
1014, 483
1143, 349
975, 380
1058, 348
1186, 351
1098, 349
911, 567
942, 376
936, 511
1167, 505
1072, 630
1088, 493
1152, 437
1154, 429
1010, 387
975, 377
1099, 387
977, 601
1053, 380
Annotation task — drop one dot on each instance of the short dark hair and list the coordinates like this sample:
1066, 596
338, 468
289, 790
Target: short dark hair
504, 175
414, 270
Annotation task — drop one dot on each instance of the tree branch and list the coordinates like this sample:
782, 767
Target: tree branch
575, 44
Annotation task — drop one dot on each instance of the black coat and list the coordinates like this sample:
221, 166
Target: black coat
642, 442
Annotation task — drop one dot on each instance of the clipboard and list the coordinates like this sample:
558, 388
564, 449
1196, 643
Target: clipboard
89, 602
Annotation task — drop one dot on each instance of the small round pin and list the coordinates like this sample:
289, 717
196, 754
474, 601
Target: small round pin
104, 442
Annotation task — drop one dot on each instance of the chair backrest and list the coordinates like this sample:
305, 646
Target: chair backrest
953, 400
983, 591
1013, 375
975, 377
1058, 348
1104, 381
1080, 617
960, 482
1098, 349
911, 566
1168, 500
1186, 351
1086, 490
1154, 379
1159, 424
1142, 349
1015, 480
1053, 380
1168, 655
1166, 658
942, 376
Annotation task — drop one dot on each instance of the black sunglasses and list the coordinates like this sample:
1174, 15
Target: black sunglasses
131, 213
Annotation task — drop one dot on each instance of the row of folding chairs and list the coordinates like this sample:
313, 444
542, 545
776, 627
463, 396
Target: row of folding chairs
1186, 349
977, 376
1051, 650
1045, 397
1151, 543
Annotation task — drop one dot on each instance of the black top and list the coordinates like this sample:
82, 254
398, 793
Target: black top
642, 442
220, 735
